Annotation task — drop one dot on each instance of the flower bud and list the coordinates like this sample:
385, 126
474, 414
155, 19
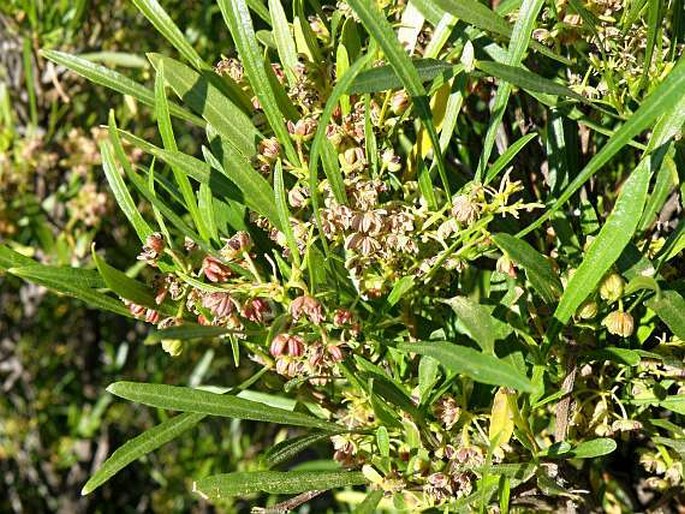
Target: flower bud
587, 309
173, 347
399, 102
619, 323
611, 288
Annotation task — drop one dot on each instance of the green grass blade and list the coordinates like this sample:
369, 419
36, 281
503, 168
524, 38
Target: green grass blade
141, 445
237, 18
538, 269
285, 43
203, 402
115, 81
382, 32
667, 98
520, 37
276, 482
481, 367
121, 194
166, 131
205, 99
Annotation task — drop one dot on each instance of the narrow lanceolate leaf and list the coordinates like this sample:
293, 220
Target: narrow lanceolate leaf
520, 37
205, 99
237, 18
116, 81
670, 307
193, 400
527, 80
503, 160
593, 448
167, 132
159, 18
290, 448
605, 249
284, 212
121, 194
477, 321
370, 503
78, 283
257, 192
285, 43
275, 482
141, 445
666, 98
538, 269
481, 367
379, 28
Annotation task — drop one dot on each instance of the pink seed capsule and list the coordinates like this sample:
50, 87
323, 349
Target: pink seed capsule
278, 345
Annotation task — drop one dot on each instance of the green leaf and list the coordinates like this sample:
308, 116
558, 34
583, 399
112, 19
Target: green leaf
670, 307
504, 159
481, 367
593, 449
237, 18
526, 79
121, 194
284, 213
205, 99
370, 503
194, 400
605, 248
290, 448
477, 321
284, 39
141, 445
116, 81
218, 487
401, 287
666, 99
611, 353
75, 282
12, 259
382, 32
187, 331
520, 37
385, 77
169, 141
258, 194
538, 269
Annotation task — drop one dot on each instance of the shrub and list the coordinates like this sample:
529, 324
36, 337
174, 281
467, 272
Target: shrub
359, 231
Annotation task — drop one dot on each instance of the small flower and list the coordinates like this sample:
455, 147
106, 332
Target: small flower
308, 306
352, 159
278, 345
391, 161
215, 270
297, 197
239, 243
303, 129
619, 323
342, 318
257, 310
152, 249
464, 210
611, 288
219, 304
269, 149
447, 411
506, 266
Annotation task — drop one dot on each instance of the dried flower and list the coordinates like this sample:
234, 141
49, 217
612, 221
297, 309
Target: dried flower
308, 306
152, 249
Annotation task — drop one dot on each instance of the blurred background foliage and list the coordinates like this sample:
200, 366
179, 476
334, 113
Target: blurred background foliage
56, 355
